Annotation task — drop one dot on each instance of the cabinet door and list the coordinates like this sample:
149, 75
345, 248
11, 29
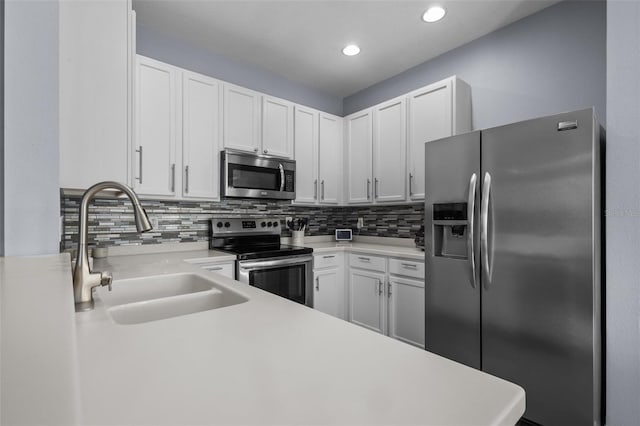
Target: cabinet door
406, 310
156, 121
200, 136
330, 164
358, 133
277, 127
389, 151
328, 295
241, 118
94, 98
430, 118
366, 307
306, 146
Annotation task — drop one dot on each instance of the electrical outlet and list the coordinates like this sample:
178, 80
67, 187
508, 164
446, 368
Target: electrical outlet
360, 222
154, 222
288, 219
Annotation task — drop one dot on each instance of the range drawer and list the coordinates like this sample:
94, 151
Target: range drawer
407, 268
365, 261
326, 260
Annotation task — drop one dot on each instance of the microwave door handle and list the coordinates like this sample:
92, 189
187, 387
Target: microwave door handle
281, 177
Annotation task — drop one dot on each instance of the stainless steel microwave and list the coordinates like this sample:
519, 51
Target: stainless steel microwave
245, 175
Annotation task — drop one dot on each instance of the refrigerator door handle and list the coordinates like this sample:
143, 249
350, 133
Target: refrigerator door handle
484, 229
471, 207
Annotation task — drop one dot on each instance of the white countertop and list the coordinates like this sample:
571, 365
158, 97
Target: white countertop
266, 361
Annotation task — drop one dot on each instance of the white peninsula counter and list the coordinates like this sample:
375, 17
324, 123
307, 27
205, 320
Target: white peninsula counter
265, 361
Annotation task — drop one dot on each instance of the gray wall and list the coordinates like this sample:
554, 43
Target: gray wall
31, 189
623, 213
549, 62
168, 49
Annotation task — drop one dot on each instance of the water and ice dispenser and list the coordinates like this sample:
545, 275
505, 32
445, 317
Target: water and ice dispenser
450, 227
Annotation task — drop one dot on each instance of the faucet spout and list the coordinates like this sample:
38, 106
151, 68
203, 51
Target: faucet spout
84, 280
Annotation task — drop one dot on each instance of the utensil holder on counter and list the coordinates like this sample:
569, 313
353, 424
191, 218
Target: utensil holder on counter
297, 238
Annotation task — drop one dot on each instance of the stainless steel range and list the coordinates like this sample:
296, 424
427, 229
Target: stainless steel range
261, 261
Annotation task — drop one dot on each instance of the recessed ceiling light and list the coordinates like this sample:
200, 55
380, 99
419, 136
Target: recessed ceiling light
351, 50
433, 14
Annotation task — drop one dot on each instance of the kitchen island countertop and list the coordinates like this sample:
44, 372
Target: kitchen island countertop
266, 361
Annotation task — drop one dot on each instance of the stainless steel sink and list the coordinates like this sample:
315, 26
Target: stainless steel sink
139, 300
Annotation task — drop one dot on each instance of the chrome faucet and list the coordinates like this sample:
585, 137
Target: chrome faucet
84, 280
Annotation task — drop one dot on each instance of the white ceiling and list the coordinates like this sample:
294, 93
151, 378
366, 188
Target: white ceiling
302, 39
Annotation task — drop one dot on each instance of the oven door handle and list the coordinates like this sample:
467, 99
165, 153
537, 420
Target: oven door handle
262, 264
281, 167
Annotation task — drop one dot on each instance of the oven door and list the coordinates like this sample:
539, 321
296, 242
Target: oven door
289, 277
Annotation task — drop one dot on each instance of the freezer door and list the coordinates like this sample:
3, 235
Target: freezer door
452, 294
540, 300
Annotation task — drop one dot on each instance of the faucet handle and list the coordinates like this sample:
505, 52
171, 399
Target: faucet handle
106, 279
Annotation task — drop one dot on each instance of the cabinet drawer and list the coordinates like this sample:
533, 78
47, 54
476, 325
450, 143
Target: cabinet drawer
326, 260
226, 269
365, 261
407, 268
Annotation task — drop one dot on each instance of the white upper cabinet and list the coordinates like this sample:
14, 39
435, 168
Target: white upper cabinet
201, 133
306, 150
330, 160
277, 127
156, 121
241, 118
97, 53
318, 145
436, 111
358, 128
178, 132
389, 151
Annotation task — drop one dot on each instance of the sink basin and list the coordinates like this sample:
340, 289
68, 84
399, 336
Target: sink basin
139, 300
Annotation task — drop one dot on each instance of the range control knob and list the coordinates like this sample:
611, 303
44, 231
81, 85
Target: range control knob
227, 224
219, 224
269, 224
275, 224
263, 224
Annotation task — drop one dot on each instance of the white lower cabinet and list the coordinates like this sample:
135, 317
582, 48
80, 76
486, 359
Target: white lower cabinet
366, 299
227, 269
406, 310
390, 303
328, 283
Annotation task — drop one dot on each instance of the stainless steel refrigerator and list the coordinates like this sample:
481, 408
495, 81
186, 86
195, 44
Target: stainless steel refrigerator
513, 259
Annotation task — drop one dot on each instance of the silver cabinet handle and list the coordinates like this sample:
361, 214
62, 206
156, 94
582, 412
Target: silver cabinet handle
322, 192
379, 287
186, 179
411, 184
328, 257
409, 265
375, 188
315, 189
389, 289
471, 206
484, 229
368, 188
139, 150
281, 177
173, 177
318, 283
364, 259
213, 268
265, 151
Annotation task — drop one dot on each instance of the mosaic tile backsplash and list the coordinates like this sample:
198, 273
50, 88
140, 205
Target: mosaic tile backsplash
111, 220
